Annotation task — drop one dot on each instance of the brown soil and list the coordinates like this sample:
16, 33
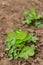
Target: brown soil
11, 16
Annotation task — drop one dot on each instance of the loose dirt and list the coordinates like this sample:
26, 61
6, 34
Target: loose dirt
11, 16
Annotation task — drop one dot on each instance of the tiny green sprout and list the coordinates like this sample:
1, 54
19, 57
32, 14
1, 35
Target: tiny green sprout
16, 44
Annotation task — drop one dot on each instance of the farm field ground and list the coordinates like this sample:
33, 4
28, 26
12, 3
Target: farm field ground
11, 16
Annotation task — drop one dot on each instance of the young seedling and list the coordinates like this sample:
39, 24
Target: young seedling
16, 44
31, 16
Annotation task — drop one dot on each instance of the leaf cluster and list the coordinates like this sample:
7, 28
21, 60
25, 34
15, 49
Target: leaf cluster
16, 44
32, 17
38, 24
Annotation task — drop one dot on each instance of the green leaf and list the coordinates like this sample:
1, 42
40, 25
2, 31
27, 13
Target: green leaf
38, 24
33, 47
27, 21
13, 41
17, 30
33, 11
8, 46
11, 50
26, 52
10, 36
21, 35
34, 39
39, 16
18, 41
28, 37
15, 54
31, 38
10, 56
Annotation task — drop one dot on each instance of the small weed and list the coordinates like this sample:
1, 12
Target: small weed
32, 17
16, 44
